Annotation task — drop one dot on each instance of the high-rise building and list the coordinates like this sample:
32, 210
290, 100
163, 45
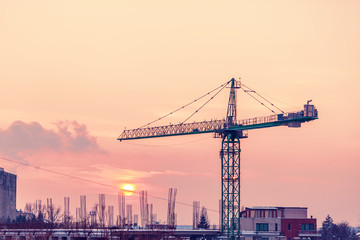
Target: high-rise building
7, 196
83, 213
101, 213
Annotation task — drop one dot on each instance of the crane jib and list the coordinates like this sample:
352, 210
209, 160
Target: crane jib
289, 119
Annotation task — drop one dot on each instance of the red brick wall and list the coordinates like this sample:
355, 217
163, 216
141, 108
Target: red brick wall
295, 226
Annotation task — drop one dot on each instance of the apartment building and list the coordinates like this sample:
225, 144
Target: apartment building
277, 223
7, 196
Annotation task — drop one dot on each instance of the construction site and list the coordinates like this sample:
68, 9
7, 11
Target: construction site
41, 221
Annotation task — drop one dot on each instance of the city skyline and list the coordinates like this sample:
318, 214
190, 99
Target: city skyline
74, 75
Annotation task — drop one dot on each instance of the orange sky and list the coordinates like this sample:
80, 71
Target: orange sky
85, 70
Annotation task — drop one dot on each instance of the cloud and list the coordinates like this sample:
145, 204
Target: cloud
75, 137
21, 139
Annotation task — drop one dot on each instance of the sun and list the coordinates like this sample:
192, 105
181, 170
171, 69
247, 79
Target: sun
128, 189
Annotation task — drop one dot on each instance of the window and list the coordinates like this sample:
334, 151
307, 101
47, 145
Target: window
271, 213
276, 227
307, 226
289, 227
262, 227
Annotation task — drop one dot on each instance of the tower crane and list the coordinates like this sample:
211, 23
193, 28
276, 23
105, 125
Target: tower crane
230, 130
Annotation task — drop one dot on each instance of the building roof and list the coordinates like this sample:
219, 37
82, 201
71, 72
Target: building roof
273, 208
262, 208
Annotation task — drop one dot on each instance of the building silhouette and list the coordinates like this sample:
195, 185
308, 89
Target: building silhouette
7, 196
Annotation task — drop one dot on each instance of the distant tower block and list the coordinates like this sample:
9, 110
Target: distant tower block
171, 216
7, 196
129, 214
144, 209
50, 210
196, 213
151, 214
66, 209
93, 218
102, 210
121, 203
83, 214
78, 215
38, 205
136, 220
111, 216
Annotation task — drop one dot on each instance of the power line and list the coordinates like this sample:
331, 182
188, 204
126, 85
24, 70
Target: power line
90, 181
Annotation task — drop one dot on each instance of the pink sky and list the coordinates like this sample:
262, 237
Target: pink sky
74, 74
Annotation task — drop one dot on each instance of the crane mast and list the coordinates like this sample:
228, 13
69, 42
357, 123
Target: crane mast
230, 130
231, 110
230, 169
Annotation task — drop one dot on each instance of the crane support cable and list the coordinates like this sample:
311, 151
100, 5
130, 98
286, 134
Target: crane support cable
263, 98
178, 109
278, 100
247, 92
91, 181
204, 103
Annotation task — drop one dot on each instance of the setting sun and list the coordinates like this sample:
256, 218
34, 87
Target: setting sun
128, 189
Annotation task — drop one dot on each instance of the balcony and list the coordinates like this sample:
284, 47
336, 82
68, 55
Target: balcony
309, 233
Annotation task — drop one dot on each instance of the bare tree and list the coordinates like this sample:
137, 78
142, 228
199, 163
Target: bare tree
36, 209
345, 232
30, 209
43, 215
52, 214
332, 231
